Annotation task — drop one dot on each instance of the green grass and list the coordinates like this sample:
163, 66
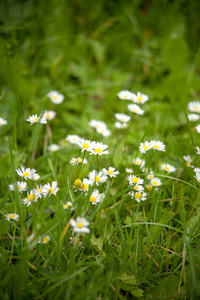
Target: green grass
89, 51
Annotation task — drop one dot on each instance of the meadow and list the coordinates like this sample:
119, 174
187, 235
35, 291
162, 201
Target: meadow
100, 145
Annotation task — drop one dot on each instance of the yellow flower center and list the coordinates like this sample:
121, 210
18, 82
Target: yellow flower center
136, 187
149, 188
146, 147
135, 180
155, 146
196, 108
154, 183
98, 150
138, 162
47, 116
123, 120
66, 205
35, 120
166, 168
19, 187
77, 183
187, 163
26, 174
51, 190
84, 186
73, 140
139, 98
136, 110
85, 145
97, 178
110, 172
138, 195
55, 97
31, 197
79, 225
150, 176
39, 190
92, 199
78, 160
45, 240
11, 216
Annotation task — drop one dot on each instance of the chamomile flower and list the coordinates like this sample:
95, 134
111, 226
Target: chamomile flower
150, 175
134, 108
122, 117
138, 188
73, 138
155, 181
104, 131
111, 172
12, 216
80, 225
132, 179
85, 185
194, 106
35, 177
77, 184
49, 115
53, 147
198, 150
120, 125
32, 196
98, 149
139, 196
21, 186
125, 95
168, 168
27, 173
188, 160
39, 190
129, 170
97, 178
3, 122
36, 119
140, 98
96, 197
193, 117
48, 189
198, 128
55, 97
139, 162
85, 145
157, 145
97, 124
197, 176
44, 239
145, 146
68, 205
76, 161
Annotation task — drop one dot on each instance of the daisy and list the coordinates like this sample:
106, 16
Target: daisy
32, 196
145, 146
85, 185
21, 186
12, 216
140, 98
129, 170
77, 184
155, 181
104, 131
67, 205
138, 196
49, 115
76, 161
197, 176
135, 180
138, 188
80, 225
157, 145
194, 106
53, 147
198, 150
110, 172
120, 125
73, 139
35, 176
55, 97
85, 145
44, 239
168, 168
122, 117
35, 119
198, 128
97, 124
26, 173
97, 178
188, 160
98, 149
135, 109
139, 162
48, 190
3, 122
96, 197
39, 190
125, 95
149, 187
193, 117
150, 175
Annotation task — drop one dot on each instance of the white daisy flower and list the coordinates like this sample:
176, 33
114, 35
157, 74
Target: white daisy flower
168, 168
44, 239
125, 95
198, 128
55, 97
194, 106
35, 177
98, 149
188, 160
139, 162
104, 131
138, 188
36, 119
49, 115
140, 98
53, 147
110, 172
157, 145
85, 145
150, 175
134, 108
97, 177
120, 125
26, 173
68, 205
129, 170
122, 117
48, 189
96, 197
145, 146
12, 216
135, 180
21, 186
97, 124
138, 196
193, 117
3, 122
197, 177
77, 184
197, 170
32, 196
85, 185
39, 190
198, 150
73, 138
80, 225
155, 181
76, 161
